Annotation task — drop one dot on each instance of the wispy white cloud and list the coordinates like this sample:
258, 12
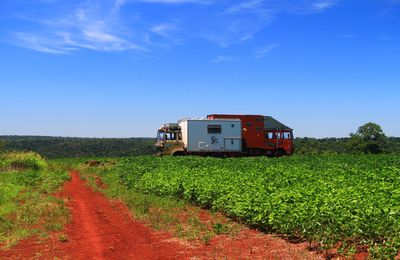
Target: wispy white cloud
84, 28
168, 31
118, 4
243, 20
323, 5
263, 51
64, 42
230, 32
107, 26
42, 44
247, 6
164, 29
179, 1
304, 7
239, 22
220, 59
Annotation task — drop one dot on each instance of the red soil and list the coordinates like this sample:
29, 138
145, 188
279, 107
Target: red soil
104, 229
99, 230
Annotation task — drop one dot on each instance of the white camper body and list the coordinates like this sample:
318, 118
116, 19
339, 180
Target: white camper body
216, 135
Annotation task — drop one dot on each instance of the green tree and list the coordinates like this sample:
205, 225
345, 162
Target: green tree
369, 138
2, 145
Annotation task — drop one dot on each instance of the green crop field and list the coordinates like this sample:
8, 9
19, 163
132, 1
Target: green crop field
339, 202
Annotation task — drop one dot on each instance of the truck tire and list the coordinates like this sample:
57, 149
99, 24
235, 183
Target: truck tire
179, 153
280, 152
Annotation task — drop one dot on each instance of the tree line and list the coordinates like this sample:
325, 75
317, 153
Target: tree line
64, 147
369, 138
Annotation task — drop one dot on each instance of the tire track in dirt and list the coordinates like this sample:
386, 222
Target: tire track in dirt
101, 229
83, 219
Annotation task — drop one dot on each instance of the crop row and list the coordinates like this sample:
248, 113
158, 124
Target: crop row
333, 200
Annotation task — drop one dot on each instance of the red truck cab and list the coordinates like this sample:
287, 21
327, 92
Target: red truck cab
262, 135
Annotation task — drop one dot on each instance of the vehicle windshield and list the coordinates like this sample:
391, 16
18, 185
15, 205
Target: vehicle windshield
160, 135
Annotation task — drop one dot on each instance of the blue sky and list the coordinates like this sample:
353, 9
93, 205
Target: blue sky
120, 68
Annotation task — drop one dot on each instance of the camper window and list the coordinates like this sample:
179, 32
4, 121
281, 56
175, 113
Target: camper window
214, 129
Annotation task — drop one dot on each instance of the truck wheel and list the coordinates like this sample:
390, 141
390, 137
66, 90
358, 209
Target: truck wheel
221, 155
179, 153
269, 153
279, 153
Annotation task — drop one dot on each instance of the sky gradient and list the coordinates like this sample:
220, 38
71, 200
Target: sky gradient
121, 68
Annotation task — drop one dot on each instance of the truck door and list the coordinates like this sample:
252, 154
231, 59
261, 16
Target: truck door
287, 141
270, 140
278, 142
232, 144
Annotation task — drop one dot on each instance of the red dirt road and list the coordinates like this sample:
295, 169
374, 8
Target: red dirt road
100, 229
105, 229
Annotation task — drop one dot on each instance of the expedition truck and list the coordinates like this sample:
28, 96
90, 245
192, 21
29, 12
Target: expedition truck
225, 135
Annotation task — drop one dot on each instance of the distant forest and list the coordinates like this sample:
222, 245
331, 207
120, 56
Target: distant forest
306, 145
59, 147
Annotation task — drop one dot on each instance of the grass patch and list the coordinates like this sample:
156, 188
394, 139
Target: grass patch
63, 238
27, 207
17, 161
